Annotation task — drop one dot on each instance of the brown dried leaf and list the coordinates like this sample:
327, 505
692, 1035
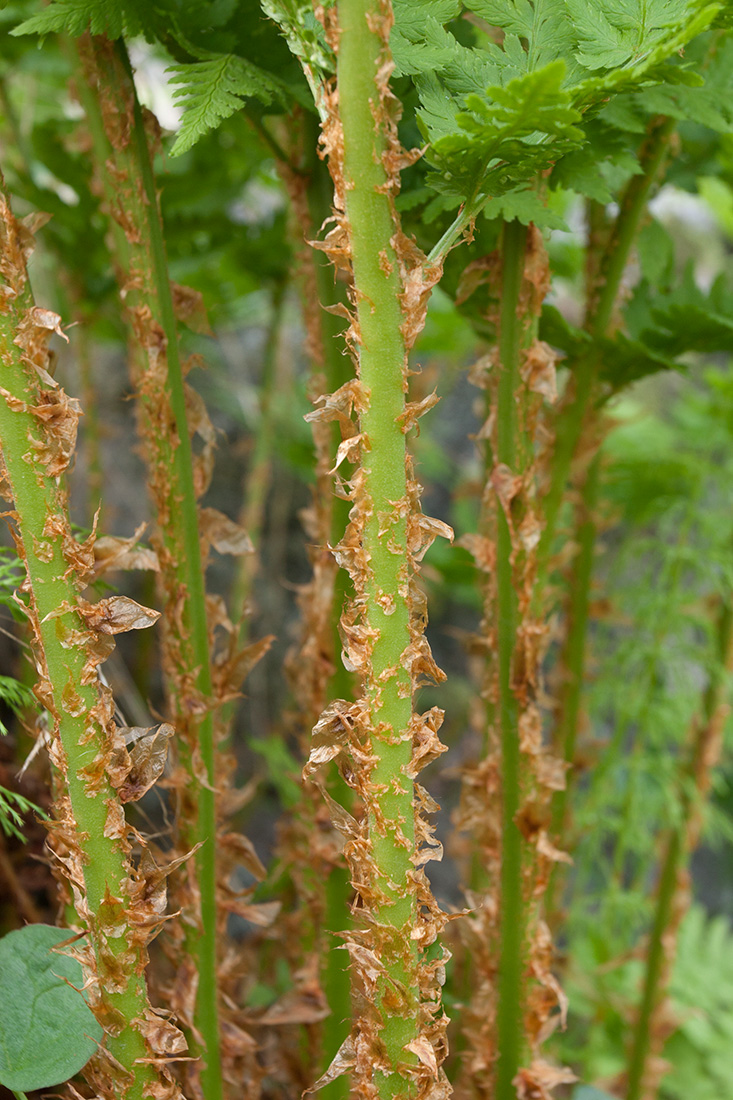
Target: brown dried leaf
538, 370
190, 309
339, 405
415, 409
113, 552
423, 1048
349, 450
116, 614
331, 734
482, 549
537, 1082
241, 848
344, 1061
47, 319
223, 533
426, 745
163, 1037
546, 848
147, 760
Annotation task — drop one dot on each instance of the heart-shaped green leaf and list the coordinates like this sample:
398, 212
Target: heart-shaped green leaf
47, 1030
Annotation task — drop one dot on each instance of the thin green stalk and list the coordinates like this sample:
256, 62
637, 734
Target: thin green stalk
512, 919
260, 467
605, 273
598, 322
35, 452
132, 196
388, 687
330, 292
573, 657
695, 782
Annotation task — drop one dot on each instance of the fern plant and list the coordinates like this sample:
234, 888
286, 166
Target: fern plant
462, 141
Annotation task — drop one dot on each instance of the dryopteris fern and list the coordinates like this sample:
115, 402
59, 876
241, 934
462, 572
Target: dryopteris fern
214, 88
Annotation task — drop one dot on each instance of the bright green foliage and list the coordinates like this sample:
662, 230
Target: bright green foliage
216, 88
485, 146
496, 117
47, 1031
702, 992
15, 695
76, 16
625, 33
13, 808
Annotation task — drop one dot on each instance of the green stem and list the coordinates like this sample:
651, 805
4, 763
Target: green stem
388, 684
163, 402
695, 782
604, 281
598, 322
512, 918
332, 292
81, 708
573, 656
260, 469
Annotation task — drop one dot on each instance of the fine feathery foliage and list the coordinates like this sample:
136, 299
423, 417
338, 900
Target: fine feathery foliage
214, 88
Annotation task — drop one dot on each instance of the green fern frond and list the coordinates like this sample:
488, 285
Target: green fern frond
215, 89
74, 17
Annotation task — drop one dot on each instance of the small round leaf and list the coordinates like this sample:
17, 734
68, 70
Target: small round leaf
47, 1030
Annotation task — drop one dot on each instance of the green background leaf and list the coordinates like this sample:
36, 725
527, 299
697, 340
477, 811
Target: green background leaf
47, 1030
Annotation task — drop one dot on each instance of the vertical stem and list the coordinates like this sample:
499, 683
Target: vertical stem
68, 651
512, 332
381, 368
575, 422
330, 291
572, 659
132, 195
704, 750
260, 467
599, 318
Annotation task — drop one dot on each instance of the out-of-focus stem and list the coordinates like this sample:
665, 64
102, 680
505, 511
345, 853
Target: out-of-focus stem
573, 657
260, 469
512, 918
132, 196
598, 321
605, 270
68, 652
695, 783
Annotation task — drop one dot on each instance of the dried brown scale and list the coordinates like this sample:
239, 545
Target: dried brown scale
514, 492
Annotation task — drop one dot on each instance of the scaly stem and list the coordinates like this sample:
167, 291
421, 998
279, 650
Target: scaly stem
132, 196
706, 734
381, 368
36, 450
512, 918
